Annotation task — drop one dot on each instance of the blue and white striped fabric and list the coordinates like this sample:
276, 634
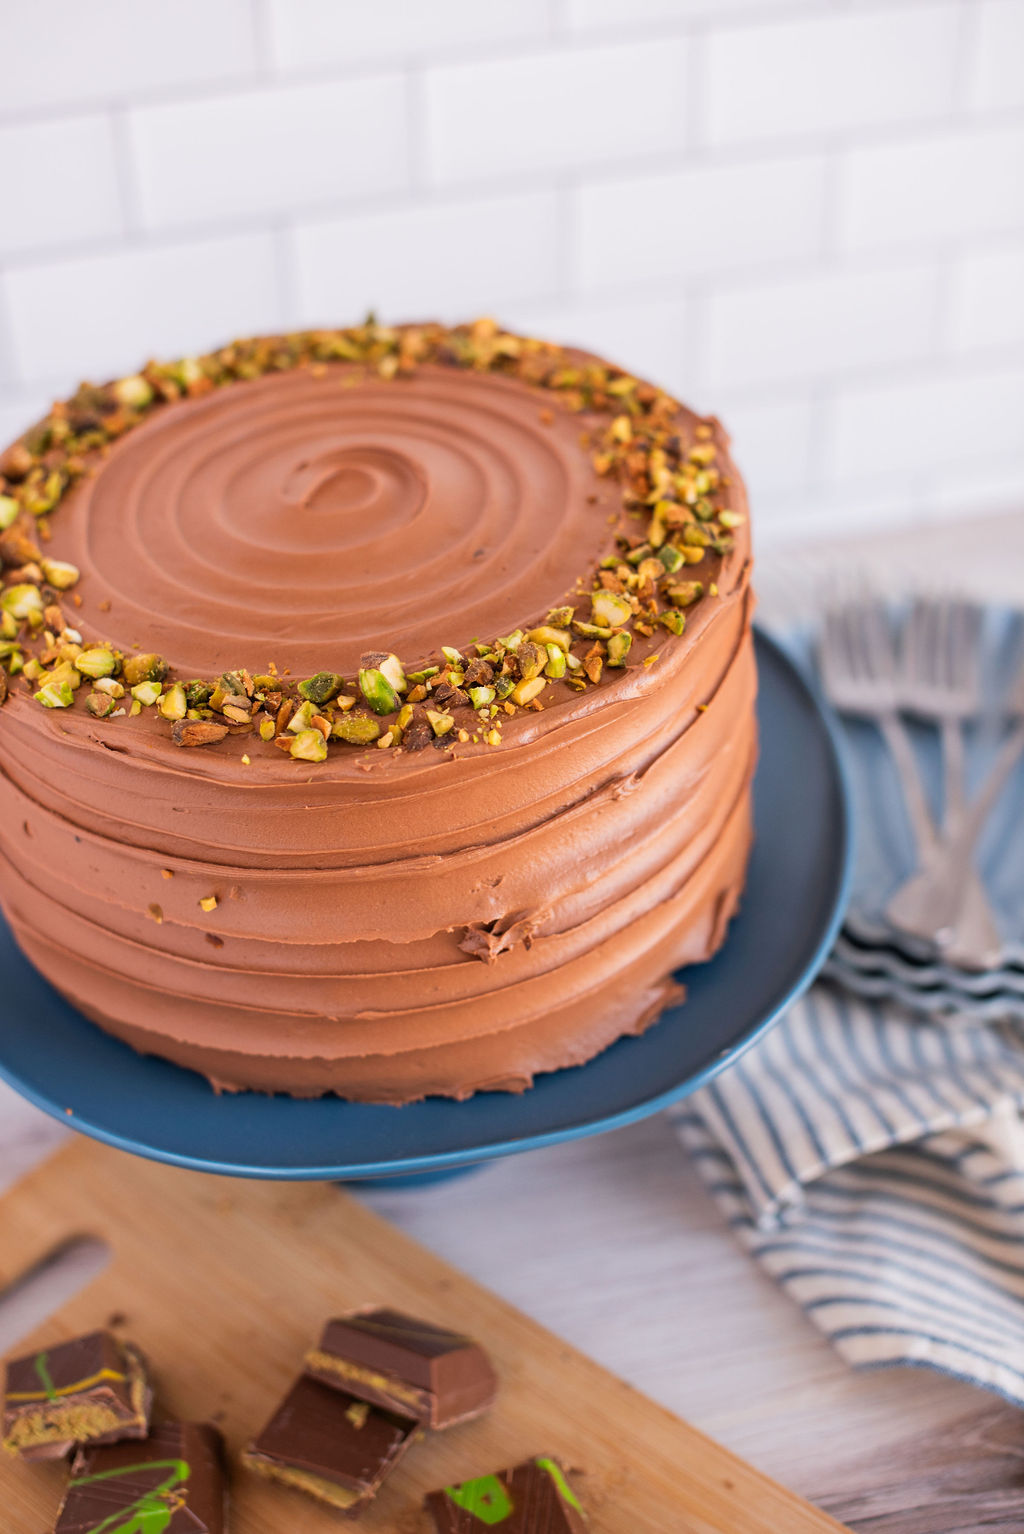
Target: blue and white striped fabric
873, 1163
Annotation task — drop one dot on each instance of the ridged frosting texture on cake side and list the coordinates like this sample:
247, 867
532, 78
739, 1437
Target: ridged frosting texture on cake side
385, 924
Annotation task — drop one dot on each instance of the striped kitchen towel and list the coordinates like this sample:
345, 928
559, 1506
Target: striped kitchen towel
873, 1163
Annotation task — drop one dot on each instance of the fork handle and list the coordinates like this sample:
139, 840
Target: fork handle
953, 762
933, 903
894, 732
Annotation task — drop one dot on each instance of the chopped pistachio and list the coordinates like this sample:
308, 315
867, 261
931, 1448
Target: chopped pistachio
548, 635
493, 737
561, 617
302, 719
144, 668
65, 672
422, 676
618, 648
452, 656
685, 594
356, 729
386, 740
134, 392
503, 685
268, 729
673, 620
439, 723
108, 685
173, 704
146, 693
378, 691
392, 670
321, 688
8, 625
8, 511
481, 697
555, 667
609, 609
100, 704
696, 537
55, 695
731, 519
670, 557
309, 746
532, 659
526, 691
693, 555
514, 640
638, 555
198, 694
197, 732
96, 662
592, 630
61, 576
21, 601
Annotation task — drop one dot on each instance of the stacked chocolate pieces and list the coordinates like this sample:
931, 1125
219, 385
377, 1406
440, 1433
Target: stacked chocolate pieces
376, 1381
90, 1390
91, 1397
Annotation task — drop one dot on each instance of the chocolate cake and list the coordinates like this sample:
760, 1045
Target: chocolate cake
378, 707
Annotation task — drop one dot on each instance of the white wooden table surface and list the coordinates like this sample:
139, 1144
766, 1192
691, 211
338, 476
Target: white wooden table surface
613, 1243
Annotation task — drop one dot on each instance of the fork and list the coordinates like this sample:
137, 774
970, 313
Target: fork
930, 899
940, 676
860, 673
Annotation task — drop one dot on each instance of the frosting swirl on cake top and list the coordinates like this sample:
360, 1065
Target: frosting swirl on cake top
377, 536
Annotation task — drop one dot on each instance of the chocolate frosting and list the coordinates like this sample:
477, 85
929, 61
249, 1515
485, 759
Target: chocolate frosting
302, 520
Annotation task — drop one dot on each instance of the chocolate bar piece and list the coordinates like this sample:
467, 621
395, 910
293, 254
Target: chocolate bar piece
90, 1390
170, 1483
408, 1366
330, 1445
534, 1498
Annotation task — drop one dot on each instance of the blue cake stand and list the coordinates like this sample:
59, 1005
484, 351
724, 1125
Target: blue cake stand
791, 909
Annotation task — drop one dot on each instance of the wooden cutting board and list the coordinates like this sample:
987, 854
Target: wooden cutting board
224, 1284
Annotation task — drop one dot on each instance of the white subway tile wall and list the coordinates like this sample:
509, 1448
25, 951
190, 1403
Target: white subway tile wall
806, 216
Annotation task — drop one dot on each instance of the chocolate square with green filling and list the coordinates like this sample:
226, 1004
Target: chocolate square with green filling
170, 1483
533, 1498
92, 1389
330, 1445
405, 1365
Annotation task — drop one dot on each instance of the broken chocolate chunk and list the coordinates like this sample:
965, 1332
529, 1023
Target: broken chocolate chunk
330, 1445
171, 1483
534, 1498
429, 1372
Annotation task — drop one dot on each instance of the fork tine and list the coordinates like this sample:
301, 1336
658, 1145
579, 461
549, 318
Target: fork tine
943, 632
876, 638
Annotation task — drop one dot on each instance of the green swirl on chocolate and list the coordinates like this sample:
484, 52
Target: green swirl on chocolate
150, 1512
671, 486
